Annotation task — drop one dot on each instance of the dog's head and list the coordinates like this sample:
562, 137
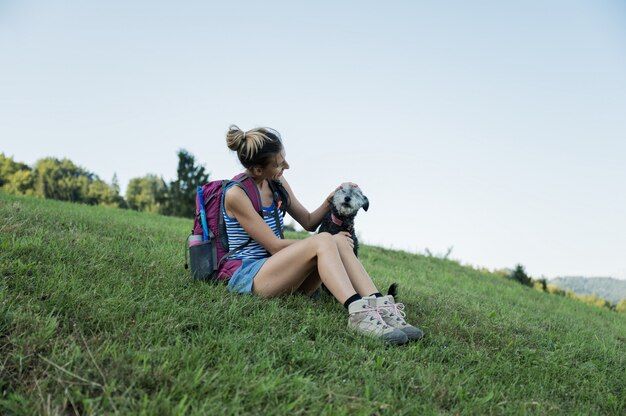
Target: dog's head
348, 199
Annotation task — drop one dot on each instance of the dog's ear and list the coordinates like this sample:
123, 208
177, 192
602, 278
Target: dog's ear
366, 205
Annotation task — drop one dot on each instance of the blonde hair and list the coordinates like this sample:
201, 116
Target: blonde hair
254, 147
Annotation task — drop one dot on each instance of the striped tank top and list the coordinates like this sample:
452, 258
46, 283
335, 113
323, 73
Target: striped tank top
237, 236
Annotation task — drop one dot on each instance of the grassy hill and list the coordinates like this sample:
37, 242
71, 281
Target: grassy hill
98, 316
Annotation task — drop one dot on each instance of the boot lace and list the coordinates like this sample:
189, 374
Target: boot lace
394, 309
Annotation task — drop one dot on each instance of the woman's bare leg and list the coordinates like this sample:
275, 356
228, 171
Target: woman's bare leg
360, 279
285, 271
311, 283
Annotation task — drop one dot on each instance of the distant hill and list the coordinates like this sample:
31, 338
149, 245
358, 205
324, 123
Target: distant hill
607, 288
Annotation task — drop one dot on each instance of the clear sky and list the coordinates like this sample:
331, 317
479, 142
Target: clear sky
498, 128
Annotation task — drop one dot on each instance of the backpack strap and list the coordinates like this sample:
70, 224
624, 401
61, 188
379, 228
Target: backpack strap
233, 251
281, 202
249, 187
186, 249
277, 218
280, 194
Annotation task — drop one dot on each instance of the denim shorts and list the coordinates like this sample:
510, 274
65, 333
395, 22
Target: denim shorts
241, 282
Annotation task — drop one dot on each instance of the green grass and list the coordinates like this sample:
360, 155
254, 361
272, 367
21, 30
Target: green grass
98, 316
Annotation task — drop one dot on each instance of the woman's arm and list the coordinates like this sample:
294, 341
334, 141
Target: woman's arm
308, 220
239, 206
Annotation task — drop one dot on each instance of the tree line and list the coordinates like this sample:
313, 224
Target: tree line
62, 179
519, 275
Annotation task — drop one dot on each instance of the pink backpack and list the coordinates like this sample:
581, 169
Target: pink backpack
209, 258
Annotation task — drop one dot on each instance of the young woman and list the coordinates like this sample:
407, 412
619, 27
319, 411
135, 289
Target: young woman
272, 266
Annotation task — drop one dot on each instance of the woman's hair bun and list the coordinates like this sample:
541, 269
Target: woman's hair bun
235, 137
254, 147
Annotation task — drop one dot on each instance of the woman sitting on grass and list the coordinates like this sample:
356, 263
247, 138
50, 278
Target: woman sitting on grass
272, 266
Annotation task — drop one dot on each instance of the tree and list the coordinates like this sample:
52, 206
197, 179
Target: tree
15, 177
62, 179
102, 194
146, 194
115, 184
520, 275
20, 183
181, 199
58, 179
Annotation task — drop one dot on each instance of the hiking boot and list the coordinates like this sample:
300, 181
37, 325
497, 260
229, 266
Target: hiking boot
393, 315
366, 320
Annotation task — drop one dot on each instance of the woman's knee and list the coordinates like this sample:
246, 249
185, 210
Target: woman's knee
323, 239
323, 242
343, 242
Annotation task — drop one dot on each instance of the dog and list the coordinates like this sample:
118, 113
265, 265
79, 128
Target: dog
346, 203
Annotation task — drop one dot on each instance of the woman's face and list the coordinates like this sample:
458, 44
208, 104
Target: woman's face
276, 166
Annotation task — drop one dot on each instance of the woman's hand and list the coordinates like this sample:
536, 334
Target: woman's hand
342, 236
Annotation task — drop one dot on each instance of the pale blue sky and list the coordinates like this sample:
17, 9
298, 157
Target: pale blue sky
495, 127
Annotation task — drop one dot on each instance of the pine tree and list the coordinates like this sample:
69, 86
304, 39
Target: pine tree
181, 200
115, 184
520, 275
